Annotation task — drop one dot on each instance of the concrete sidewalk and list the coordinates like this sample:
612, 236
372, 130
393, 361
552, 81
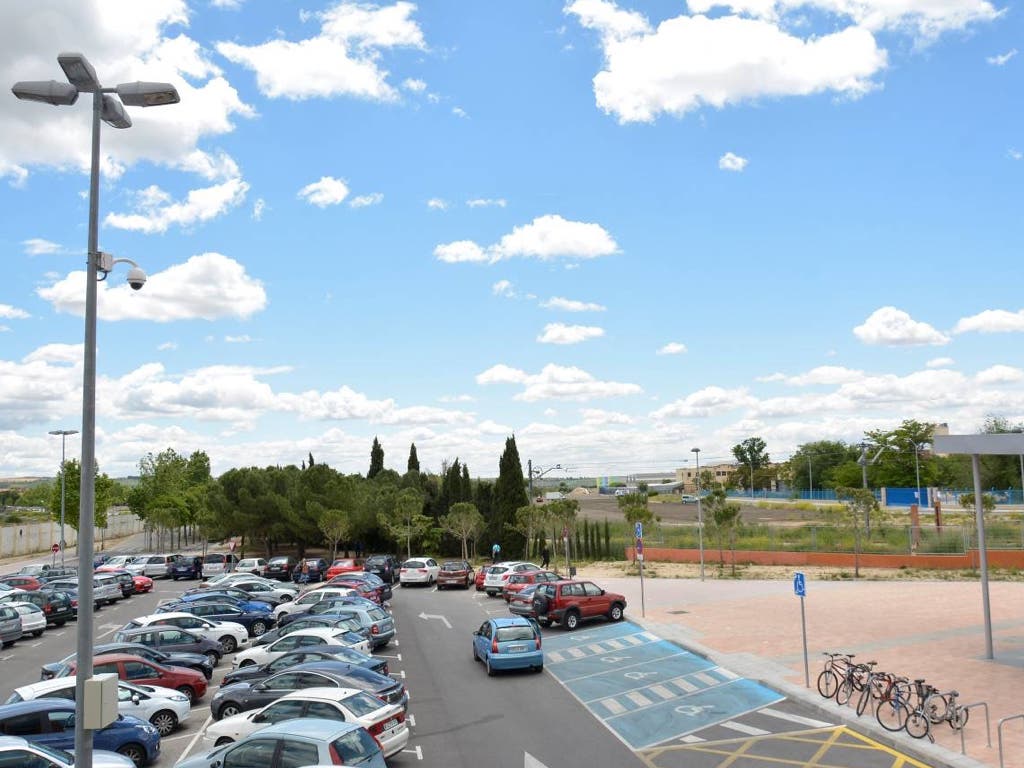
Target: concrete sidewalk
931, 630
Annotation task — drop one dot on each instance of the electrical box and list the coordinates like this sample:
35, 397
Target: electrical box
100, 707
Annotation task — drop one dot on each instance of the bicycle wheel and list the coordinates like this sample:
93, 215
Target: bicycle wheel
862, 701
935, 707
958, 718
892, 714
844, 691
861, 674
828, 683
917, 724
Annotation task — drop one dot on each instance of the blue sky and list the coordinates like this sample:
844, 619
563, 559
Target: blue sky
618, 231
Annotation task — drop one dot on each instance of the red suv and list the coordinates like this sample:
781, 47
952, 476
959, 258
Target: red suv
519, 580
135, 669
570, 602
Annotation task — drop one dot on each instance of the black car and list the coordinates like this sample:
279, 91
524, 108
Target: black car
52, 574
280, 567
310, 570
330, 606
194, 661
186, 568
233, 595
306, 621
254, 674
242, 697
384, 566
55, 605
168, 639
255, 623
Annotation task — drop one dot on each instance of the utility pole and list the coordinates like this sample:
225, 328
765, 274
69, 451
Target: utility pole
864, 465
810, 480
700, 515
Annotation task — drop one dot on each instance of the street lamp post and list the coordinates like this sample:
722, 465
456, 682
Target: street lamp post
105, 107
700, 515
810, 480
917, 472
63, 439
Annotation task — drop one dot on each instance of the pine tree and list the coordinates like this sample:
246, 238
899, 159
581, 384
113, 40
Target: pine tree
376, 459
509, 495
414, 462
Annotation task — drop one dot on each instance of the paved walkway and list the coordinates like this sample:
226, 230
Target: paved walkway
931, 630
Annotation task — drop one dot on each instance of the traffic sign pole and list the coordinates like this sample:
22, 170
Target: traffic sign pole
638, 530
800, 590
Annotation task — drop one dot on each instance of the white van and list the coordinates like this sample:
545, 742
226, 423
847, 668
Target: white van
216, 563
154, 566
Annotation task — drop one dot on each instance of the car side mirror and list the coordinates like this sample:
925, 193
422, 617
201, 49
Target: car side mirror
135, 698
477, 633
602, 591
259, 687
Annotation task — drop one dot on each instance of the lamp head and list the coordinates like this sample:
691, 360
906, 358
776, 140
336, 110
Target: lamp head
47, 92
79, 72
140, 94
113, 113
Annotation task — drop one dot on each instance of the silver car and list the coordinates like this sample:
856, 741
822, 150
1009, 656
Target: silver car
106, 590
10, 625
152, 565
24, 752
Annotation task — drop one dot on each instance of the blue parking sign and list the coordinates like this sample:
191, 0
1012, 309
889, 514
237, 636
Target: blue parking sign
799, 584
638, 530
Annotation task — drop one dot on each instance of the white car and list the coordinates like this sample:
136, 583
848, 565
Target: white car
230, 635
155, 566
304, 638
497, 575
256, 566
24, 752
419, 570
310, 599
33, 620
261, 588
119, 561
385, 722
164, 708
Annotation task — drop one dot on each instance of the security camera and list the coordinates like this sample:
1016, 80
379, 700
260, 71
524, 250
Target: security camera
136, 278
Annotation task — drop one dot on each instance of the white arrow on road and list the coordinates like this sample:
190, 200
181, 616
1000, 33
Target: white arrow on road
429, 616
529, 761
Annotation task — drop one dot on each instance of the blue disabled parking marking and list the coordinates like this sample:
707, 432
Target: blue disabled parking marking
645, 689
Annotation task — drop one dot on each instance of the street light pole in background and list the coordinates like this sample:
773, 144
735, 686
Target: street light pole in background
810, 480
63, 439
917, 471
700, 515
105, 107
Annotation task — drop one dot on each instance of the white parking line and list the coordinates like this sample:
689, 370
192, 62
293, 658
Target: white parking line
418, 751
36, 645
411, 720
400, 674
384, 656
196, 738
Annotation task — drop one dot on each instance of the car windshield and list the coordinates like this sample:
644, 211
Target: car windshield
514, 633
496, 569
213, 558
276, 560
362, 704
376, 614
453, 567
355, 746
414, 564
377, 560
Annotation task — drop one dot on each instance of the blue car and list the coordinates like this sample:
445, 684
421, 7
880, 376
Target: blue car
249, 606
256, 623
508, 643
51, 722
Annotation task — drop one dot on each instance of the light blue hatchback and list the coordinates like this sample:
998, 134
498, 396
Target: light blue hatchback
512, 642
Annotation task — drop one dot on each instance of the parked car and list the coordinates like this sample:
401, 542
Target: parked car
280, 567
55, 605
169, 639
187, 567
309, 741
517, 581
384, 566
138, 670
498, 574
254, 674
11, 628
569, 602
164, 709
418, 570
455, 573
272, 592
219, 562
479, 579
231, 636
254, 622
106, 589
125, 579
34, 569
257, 566
511, 642
372, 617
143, 584
310, 570
372, 592
194, 661
310, 599
344, 565
688, 498
348, 622
235, 597
241, 697
33, 622
156, 566
50, 723
521, 603
16, 751
385, 722
118, 561
306, 638
21, 581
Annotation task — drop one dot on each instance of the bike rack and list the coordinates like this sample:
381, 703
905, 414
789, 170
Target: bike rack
999, 731
988, 728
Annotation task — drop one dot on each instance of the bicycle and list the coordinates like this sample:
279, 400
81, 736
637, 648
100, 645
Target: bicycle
917, 724
941, 707
855, 679
829, 679
893, 710
877, 687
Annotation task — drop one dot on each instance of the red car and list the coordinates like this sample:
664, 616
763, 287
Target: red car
135, 669
21, 581
344, 565
517, 581
455, 573
368, 591
479, 580
143, 584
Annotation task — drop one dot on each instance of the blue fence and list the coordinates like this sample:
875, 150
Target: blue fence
894, 497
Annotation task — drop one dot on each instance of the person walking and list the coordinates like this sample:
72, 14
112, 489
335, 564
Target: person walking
495, 552
197, 567
545, 556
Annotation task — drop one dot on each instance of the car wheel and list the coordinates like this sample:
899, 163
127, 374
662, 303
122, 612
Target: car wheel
539, 668
571, 620
214, 658
475, 657
615, 614
60, 622
228, 710
37, 633
258, 628
189, 691
247, 663
228, 644
490, 669
222, 741
286, 598
164, 721
135, 752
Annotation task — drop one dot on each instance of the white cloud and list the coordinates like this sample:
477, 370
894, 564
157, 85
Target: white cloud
571, 305
243, 339
825, 374
456, 398
999, 374
257, 209
437, 204
1014, 154
894, 327
327, 191
487, 202
550, 412
503, 288
414, 84
1001, 59
13, 313
344, 59
156, 212
939, 362
731, 162
596, 416
558, 333
36, 246
992, 321
690, 61
556, 382
708, 401
672, 348
771, 377
207, 286
460, 112
363, 201
167, 346
546, 237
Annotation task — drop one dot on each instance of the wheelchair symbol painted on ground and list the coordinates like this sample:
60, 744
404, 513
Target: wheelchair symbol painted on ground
614, 659
692, 710
639, 675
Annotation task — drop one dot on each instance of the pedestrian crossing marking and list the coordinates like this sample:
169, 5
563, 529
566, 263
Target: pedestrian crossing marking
685, 684
794, 718
750, 730
638, 698
613, 706
662, 691
706, 678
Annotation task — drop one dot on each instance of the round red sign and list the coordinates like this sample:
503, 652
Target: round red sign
55, 548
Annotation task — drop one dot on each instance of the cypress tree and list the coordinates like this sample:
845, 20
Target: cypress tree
586, 539
509, 495
607, 540
376, 459
577, 550
414, 462
466, 487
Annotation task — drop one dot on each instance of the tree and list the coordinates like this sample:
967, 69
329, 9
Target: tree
464, 522
754, 471
820, 461
988, 503
634, 508
724, 519
896, 466
414, 463
405, 519
376, 459
530, 519
72, 490
854, 515
509, 495
335, 524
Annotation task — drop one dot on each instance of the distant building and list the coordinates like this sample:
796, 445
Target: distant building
688, 475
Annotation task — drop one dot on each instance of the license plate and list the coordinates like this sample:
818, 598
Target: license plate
390, 724
516, 648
